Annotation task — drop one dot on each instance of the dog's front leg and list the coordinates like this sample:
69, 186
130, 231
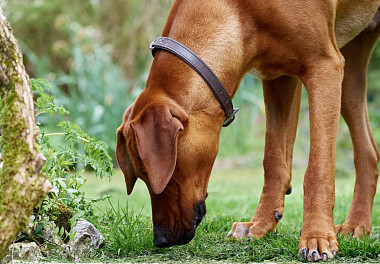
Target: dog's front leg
323, 80
282, 102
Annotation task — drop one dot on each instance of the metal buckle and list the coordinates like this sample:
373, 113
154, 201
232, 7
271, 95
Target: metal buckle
152, 49
231, 118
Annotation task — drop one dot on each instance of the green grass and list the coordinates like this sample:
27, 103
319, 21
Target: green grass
233, 196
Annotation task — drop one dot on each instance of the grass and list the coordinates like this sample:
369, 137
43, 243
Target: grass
233, 196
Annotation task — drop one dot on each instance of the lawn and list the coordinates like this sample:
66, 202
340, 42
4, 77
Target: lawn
233, 196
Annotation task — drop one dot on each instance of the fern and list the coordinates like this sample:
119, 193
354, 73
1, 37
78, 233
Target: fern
96, 150
45, 103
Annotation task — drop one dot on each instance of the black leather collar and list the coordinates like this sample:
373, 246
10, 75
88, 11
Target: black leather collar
202, 69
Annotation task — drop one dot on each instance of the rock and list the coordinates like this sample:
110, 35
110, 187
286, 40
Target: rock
87, 239
50, 235
53, 242
28, 252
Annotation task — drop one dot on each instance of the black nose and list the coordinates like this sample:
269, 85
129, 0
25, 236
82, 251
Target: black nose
160, 238
200, 212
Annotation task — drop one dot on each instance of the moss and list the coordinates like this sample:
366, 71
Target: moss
63, 218
15, 150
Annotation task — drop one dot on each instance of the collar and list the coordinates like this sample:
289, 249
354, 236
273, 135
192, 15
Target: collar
202, 69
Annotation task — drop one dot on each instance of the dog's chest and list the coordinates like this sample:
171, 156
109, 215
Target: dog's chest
264, 73
257, 73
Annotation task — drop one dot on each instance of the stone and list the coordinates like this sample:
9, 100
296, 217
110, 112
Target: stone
50, 235
87, 239
25, 252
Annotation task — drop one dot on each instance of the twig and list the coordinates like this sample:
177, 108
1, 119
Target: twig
62, 134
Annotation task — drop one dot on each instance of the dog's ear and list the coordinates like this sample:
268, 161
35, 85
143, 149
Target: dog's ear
122, 155
156, 132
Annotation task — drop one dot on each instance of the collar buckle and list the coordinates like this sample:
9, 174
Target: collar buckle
231, 118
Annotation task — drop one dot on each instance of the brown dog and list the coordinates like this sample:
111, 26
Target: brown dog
170, 135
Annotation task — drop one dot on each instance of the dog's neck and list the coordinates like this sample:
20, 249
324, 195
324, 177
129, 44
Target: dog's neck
214, 34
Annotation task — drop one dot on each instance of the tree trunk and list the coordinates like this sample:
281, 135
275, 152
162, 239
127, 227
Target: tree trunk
21, 186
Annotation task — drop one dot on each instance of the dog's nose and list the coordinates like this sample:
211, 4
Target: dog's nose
163, 238
160, 238
200, 212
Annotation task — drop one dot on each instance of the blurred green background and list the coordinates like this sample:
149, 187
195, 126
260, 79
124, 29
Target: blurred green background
96, 55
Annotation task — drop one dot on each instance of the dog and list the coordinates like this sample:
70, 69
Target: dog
169, 137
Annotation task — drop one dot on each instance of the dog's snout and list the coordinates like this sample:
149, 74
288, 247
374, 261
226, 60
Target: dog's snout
164, 236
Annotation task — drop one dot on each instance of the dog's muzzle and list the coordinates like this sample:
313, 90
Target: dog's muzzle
163, 237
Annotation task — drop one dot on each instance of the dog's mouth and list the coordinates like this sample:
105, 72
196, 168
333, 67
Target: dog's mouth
179, 235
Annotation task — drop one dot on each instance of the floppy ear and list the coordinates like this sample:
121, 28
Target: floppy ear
123, 157
156, 132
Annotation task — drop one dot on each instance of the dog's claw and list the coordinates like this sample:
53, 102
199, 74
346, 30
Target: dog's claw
314, 256
289, 191
303, 253
334, 253
325, 257
277, 216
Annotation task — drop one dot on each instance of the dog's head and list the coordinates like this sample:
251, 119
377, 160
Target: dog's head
173, 154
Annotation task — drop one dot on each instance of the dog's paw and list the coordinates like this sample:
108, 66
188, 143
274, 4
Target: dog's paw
240, 230
314, 248
357, 231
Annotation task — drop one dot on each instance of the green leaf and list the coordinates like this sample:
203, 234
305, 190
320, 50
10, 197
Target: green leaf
45, 103
38, 229
57, 230
61, 181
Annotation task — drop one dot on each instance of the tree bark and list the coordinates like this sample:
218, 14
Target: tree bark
21, 185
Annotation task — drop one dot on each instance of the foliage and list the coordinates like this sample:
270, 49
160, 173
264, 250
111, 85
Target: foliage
45, 102
95, 90
66, 202
96, 93
127, 26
